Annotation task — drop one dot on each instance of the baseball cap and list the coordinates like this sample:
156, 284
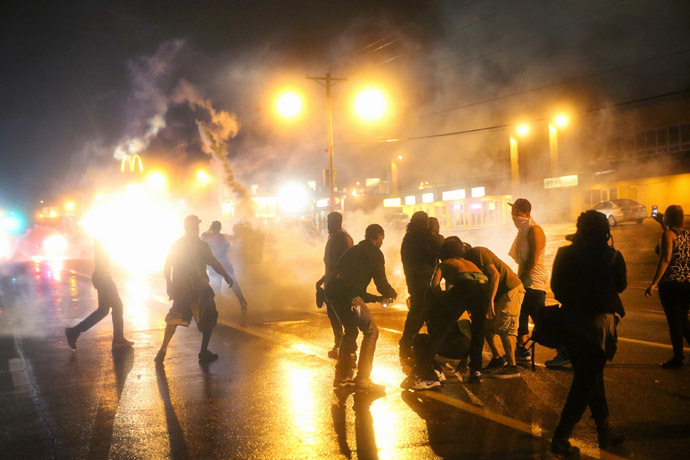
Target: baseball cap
521, 205
192, 219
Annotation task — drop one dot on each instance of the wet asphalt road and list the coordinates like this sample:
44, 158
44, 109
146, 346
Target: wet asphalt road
269, 395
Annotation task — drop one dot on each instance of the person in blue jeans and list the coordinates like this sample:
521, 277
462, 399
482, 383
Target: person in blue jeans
346, 291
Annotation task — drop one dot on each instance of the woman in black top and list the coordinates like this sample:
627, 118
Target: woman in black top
587, 277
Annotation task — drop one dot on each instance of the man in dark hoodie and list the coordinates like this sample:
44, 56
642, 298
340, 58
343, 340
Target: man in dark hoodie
338, 242
346, 290
419, 252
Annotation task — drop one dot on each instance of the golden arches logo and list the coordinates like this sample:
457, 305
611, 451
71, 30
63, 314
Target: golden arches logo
132, 163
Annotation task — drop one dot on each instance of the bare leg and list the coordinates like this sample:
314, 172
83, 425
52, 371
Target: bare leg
509, 347
169, 331
493, 341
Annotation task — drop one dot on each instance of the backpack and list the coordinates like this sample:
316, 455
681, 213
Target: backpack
548, 327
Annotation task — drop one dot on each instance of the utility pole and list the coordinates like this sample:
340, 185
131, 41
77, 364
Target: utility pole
328, 82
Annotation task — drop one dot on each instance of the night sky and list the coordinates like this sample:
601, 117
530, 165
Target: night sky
79, 79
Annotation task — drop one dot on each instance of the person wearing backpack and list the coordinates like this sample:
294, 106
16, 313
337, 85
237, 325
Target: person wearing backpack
587, 277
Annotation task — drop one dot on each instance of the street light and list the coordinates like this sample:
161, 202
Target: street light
370, 105
521, 130
289, 105
202, 177
559, 121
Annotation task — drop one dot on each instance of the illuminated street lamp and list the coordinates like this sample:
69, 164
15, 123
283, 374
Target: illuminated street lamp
559, 122
289, 105
370, 105
521, 130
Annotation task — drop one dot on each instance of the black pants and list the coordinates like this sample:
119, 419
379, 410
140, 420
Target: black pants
587, 388
675, 300
108, 298
443, 315
418, 311
336, 325
532, 303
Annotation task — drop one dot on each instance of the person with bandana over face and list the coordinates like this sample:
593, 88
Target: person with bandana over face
528, 251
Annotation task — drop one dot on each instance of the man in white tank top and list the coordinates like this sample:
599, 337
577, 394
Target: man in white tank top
528, 251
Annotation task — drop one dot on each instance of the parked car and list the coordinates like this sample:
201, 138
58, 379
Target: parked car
623, 210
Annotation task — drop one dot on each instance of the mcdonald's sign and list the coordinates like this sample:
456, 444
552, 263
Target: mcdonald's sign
132, 163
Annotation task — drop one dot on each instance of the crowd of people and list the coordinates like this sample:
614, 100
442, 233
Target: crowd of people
446, 278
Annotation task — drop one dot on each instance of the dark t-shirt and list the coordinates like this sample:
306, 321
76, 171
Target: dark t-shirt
483, 257
189, 257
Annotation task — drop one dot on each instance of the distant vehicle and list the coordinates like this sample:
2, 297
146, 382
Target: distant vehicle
397, 221
624, 210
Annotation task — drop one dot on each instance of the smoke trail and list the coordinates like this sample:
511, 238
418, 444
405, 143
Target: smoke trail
215, 135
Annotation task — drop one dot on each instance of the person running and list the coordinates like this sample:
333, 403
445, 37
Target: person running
467, 289
346, 290
338, 242
108, 300
672, 277
587, 277
503, 311
419, 255
189, 289
220, 247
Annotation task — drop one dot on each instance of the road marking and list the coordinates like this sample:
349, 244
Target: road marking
651, 344
537, 432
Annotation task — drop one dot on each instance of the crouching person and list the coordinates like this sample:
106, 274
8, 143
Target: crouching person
346, 292
467, 289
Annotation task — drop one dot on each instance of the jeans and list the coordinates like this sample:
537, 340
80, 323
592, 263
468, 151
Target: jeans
533, 301
675, 300
587, 388
354, 315
108, 298
444, 312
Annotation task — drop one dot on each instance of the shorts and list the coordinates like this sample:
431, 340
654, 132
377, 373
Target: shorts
507, 308
198, 304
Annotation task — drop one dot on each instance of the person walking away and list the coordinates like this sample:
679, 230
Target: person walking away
419, 255
338, 242
189, 289
528, 252
220, 247
435, 229
108, 300
467, 289
346, 290
587, 277
672, 277
503, 311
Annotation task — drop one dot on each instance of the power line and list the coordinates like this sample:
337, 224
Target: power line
507, 125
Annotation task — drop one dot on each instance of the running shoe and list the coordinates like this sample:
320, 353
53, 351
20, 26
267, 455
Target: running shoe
207, 356
423, 384
160, 356
495, 364
475, 377
367, 386
558, 361
333, 353
508, 372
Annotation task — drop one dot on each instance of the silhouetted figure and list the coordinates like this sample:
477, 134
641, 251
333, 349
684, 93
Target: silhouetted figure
419, 255
220, 247
673, 279
467, 289
338, 242
586, 278
108, 300
346, 290
189, 289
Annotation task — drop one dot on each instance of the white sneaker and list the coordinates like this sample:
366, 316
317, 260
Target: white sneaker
423, 384
441, 376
